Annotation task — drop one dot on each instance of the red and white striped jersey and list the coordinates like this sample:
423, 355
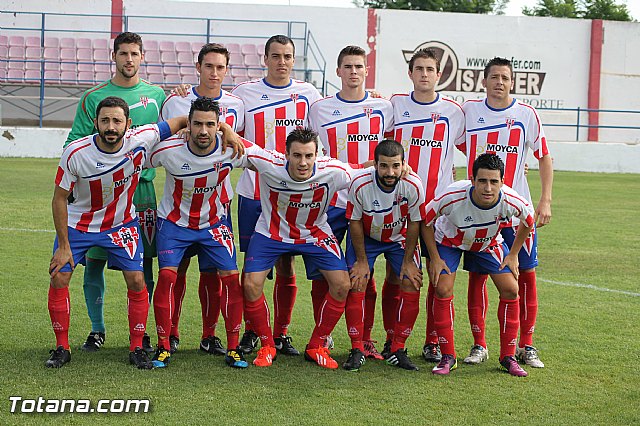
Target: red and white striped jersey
384, 214
462, 224
351, 130
295, 212
507, 133
195, 188
429, 133
271, 113
103, 183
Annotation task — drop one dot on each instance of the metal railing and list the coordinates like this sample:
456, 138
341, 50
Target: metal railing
580, 124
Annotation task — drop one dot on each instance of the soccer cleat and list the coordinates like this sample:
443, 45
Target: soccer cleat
355, 361
529, 356
284, 346
59, 357
328, 342
447, 364
370, 350
320, 356
249, 342
266, 355
212, 345
431, 352
94, 342
140, 358
477, 355
146, 344
400, 359
161, 358
511, 366
386, 349
235, 359
174, 342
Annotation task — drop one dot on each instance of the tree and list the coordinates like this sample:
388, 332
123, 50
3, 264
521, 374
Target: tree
461, 6
606, 9
556, 8
586, 9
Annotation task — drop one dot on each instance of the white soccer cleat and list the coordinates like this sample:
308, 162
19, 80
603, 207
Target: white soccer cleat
529, 356
477, 355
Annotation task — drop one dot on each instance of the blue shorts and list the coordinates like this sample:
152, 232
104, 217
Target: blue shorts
528, 255
122, 243
484, 262
214, 246
248, 213
263, 252
393, 252
227, 220
337, 219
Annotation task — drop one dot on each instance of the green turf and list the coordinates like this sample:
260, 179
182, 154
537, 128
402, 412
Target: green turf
587, 338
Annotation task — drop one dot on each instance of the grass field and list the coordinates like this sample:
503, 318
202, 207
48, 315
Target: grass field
587, 334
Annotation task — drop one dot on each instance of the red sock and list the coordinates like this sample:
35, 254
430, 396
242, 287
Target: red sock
163, 299
210, 291
390, 297
528, 307
138, 310
247, 322
477, 305
319, 290
59, 312
257, 314
431, 337
232, 302
328, 315
509, 319
443, 319
370, 297
179, 289
408, 309
354, 317
284, 297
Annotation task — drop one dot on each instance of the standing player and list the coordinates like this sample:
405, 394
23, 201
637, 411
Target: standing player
350, 125
274, 106
212, 65
469, 217
144, 100
429, 127
101, 172
504, 126
384, 213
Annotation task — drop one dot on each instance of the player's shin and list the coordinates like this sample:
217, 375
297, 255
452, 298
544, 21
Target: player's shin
354, 317
94, 288
232, 308
257, 313
59, 312
431, 337
319, 290
390, 297
444, 314
284, 297
371, 295
163, 305
406, 314
210, 292
148, 276
138, 309
509, 319
528, 306
179, 289
477, 305
328, 315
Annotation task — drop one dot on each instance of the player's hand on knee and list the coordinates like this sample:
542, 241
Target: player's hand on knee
61, 257
359, 275
511, 261
436, 266
411, 273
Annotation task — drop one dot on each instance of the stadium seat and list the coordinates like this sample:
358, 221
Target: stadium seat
102, 76
252, 61
238, 80
51, 42
68, 77
4, 57
169, 58
228, 81
186, 59
15, 76
187, 70
32, 76
51, 57
196, 46
52, 76
68, 61
236, 59
32, 42
183, 46
152, 57
154, 69
85, 61
167, 46
3, 74
260, 49
254, 73
155, 78
4, 41
67, 43
16, 59
172, 79
83, 43
239, 72
85, 77
16, 41
191, 79
150, 45
100, 44
102, 61
33, 56
249, 49
233, 47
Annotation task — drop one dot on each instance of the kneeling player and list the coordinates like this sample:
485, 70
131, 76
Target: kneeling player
470, 215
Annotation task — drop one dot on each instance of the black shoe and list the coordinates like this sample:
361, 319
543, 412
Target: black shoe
355, 361
174, 342
386, 349
146, 344
212, 345
140, 358
235, 359
400, 359
161, 358
94, 342
59, 357
249, 342
284, 346
431, 352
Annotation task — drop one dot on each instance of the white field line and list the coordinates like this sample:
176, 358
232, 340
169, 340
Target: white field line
589, 286
2, 228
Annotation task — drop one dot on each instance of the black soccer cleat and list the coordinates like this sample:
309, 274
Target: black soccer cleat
235, 359
355, 361
284, 346
59, 357
174, 342
431, 352
386, 349
94, 342
249, 342
140, 358
400, 359
146, 344
212, 345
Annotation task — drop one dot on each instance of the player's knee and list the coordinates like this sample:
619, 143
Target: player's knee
252, 288
285, 266
339, 288
61, 280
135, 281
443, 292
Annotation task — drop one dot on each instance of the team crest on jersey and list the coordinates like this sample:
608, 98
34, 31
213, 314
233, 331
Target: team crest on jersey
330, 244
435, 116
217, 167
510, 121
223, 111
368, 111
147, 221
314, 185
294, 97
126, 238
223, 235
144, 101
130, 155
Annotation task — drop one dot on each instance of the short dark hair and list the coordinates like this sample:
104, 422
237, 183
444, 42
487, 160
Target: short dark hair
113, 102
302, 135
388, 148
215, 48
351, 51
280, 39
204, 104
488, 162
500, 62
426, 54
127, 38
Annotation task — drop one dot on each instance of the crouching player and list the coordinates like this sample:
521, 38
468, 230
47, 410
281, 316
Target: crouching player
469, 217
385, 212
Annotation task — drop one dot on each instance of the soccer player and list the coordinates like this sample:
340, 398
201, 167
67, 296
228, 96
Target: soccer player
101, 172
384, 213
350, 125
212, 65
295, 190
429, 126
192, 214
144, 100
469, 217
502, 125
274, 106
